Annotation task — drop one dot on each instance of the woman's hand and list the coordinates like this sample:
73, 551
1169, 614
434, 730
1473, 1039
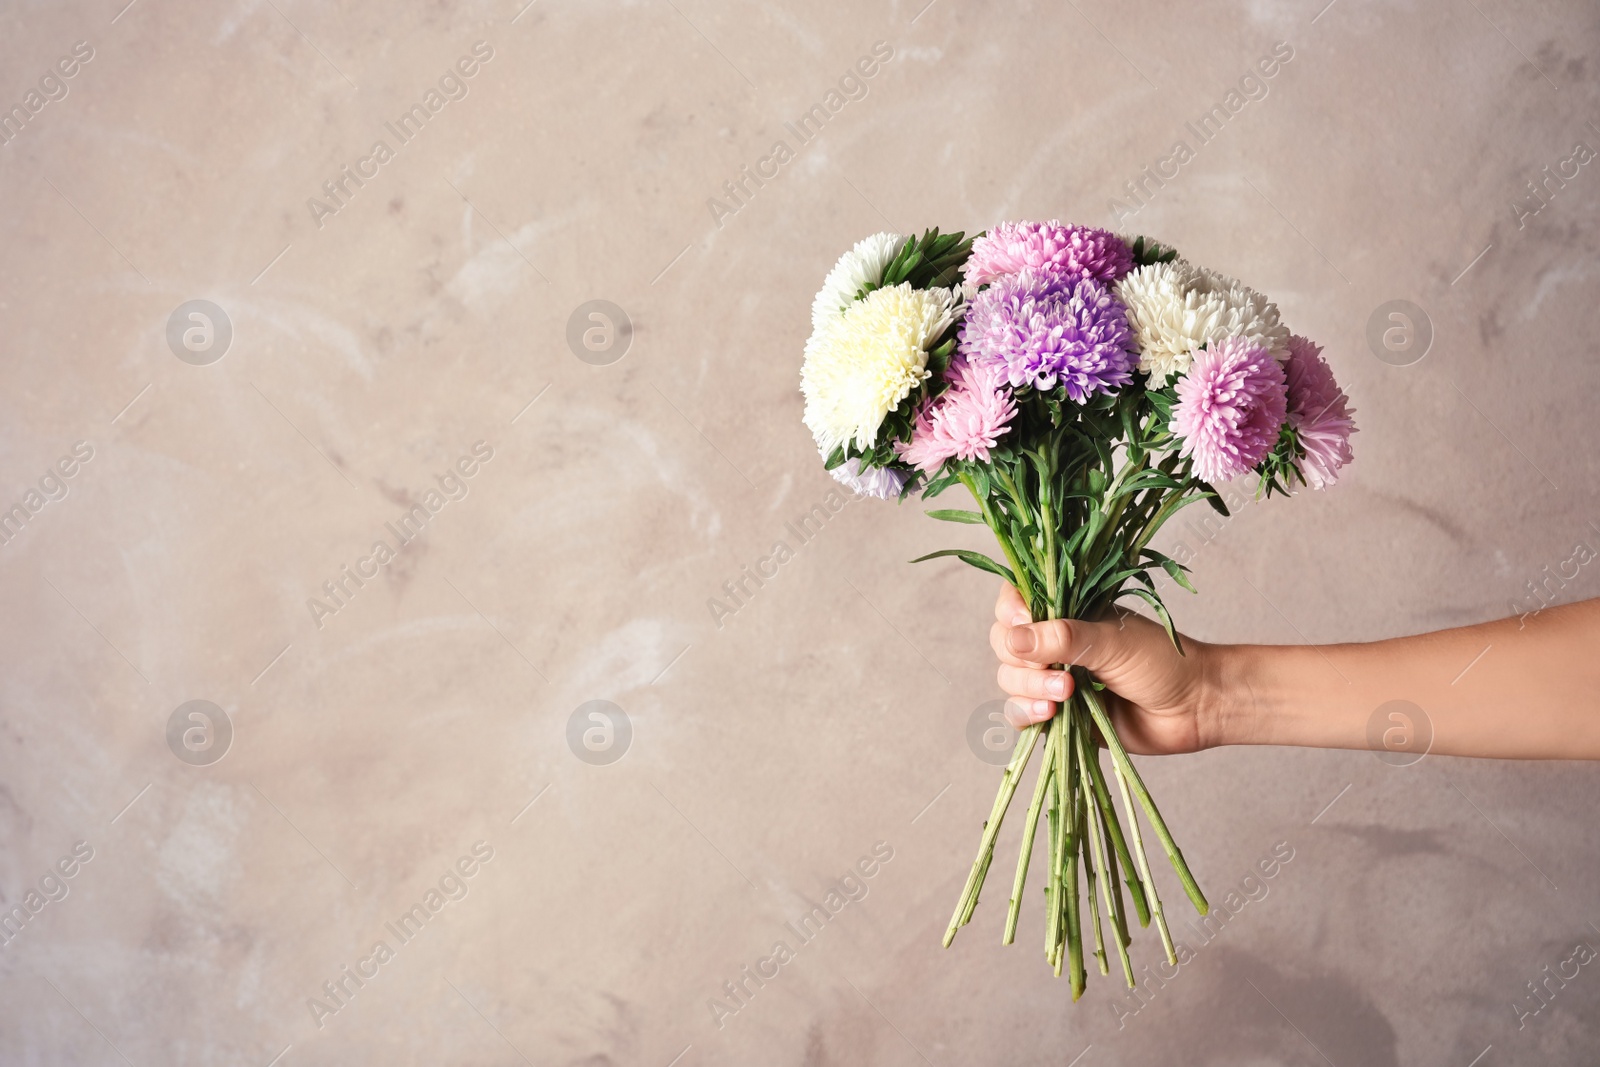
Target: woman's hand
1519, 688
1160, 702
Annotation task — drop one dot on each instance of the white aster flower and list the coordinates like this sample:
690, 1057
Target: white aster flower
879, 482
862, 265
1177, 308
861, 364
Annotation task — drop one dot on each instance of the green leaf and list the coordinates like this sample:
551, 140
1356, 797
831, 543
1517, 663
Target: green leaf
835, 458
932, 259
1075, 540
1154, 601
944, 480
1097, 519
1146, 252
976, 559
1177, 570
1150, 479
1179, 573
1164, 515
980, 482
1116, 578
957, 515
1092, 582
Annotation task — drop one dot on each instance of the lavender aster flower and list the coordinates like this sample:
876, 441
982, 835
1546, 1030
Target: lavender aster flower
881, 483
1044, 329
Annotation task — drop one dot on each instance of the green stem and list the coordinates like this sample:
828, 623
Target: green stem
1096, 844
1144, 866
1047, 528
1059, 833
1029, 829
1093, 872
1168, 508
1068, 795
1024, 585
1113, 518
1032, 504
1120, 756
1119, 910
1011, 487
972, 901
980, 866
1108, 814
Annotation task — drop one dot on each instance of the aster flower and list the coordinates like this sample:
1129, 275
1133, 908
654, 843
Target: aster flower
1319, 413
1231, 404
862, 265
966, 420
883, 483
1177, 308
861, 364
1054, 247
1045, 329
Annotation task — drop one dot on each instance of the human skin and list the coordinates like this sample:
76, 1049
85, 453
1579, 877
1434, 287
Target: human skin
1518, 688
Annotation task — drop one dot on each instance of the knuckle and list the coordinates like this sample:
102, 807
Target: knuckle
1057, 636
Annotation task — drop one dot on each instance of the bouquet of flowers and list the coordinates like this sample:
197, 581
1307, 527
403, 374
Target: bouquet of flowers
1083, 388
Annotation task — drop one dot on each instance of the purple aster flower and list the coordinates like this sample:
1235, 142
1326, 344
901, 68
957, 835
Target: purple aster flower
1319, 412
1045, 329
1231, 404
1072, 251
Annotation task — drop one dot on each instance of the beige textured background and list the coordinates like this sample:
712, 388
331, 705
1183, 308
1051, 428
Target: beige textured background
828, 714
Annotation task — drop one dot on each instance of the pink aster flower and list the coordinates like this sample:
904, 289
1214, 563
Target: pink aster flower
1319, 412
1073, 251
965, 421
1231, 404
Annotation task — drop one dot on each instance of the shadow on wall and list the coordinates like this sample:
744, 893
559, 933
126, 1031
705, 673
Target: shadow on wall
1335, 1015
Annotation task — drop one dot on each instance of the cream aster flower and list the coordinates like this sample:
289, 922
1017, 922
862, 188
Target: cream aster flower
1177, 308
861, 265
861, 364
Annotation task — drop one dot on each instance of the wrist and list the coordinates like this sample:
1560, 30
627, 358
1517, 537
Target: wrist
1227, 706
1283, 695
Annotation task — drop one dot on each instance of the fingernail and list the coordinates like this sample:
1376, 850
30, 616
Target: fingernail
1021, 639
1021, 618
1041, 710
1056, 685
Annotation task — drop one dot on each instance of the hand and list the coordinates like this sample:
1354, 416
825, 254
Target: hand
1160, 701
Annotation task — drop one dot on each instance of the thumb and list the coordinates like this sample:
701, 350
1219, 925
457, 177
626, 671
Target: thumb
1071, 642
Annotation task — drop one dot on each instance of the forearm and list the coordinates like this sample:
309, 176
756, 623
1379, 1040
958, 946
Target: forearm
1511, 689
